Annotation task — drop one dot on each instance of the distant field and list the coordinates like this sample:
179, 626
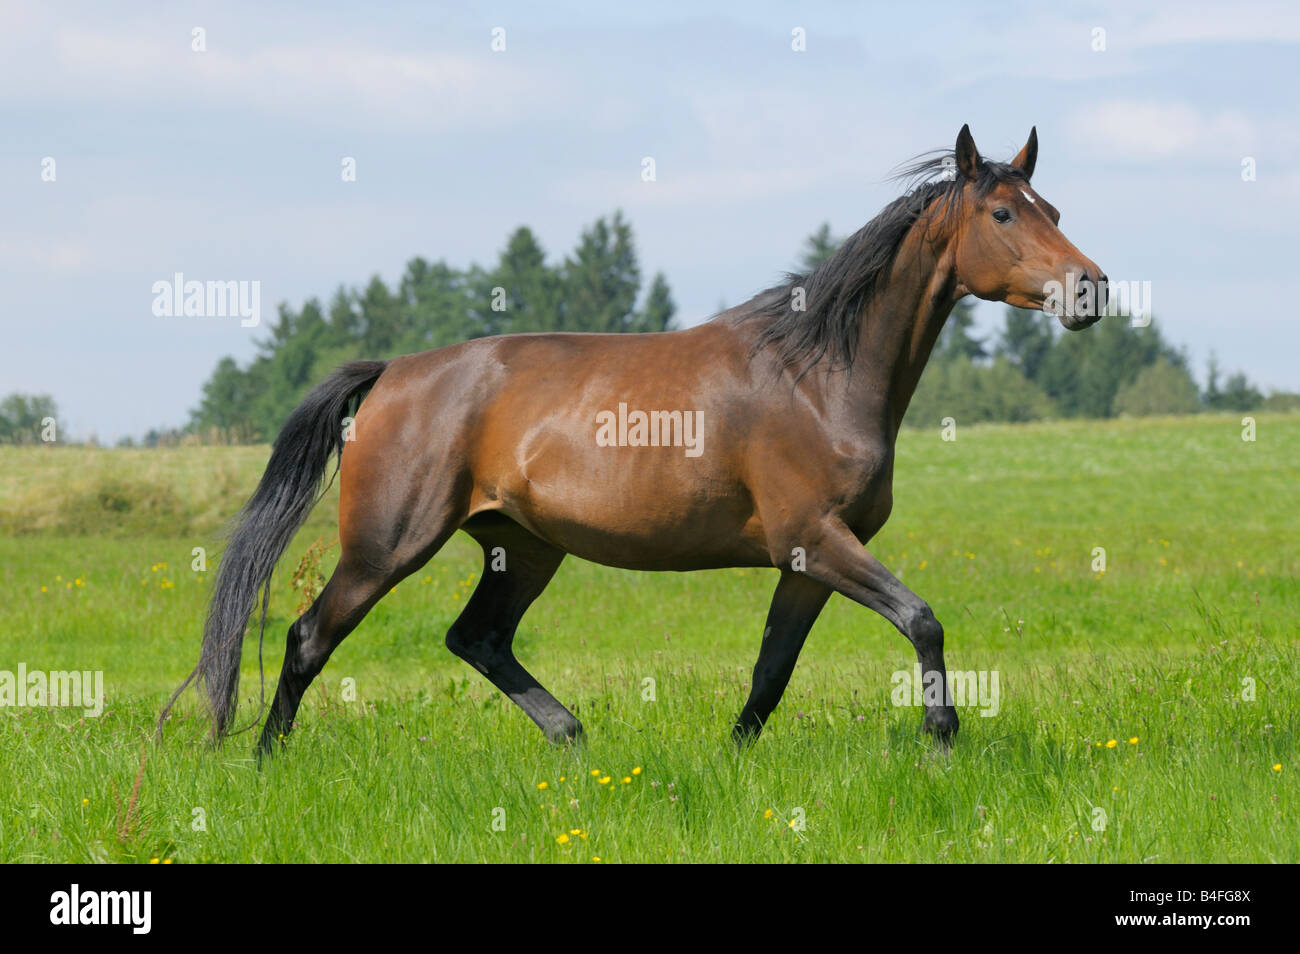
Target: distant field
1198, 603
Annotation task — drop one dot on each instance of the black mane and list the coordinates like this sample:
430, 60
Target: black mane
838, 291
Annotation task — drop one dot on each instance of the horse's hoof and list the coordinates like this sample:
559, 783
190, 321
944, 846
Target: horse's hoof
940, 725
565, 734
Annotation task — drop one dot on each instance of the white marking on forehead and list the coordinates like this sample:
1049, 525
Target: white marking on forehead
1027, 195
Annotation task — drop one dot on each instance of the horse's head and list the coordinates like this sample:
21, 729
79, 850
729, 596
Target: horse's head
1007, 244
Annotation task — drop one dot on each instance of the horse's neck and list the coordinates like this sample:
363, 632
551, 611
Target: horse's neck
900, 328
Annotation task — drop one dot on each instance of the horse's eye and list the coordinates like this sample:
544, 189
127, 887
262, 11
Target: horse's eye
1002, 215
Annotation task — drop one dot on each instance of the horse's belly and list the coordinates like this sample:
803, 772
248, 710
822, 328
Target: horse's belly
651, 517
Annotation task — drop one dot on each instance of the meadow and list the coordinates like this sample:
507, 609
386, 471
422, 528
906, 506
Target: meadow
1147, 710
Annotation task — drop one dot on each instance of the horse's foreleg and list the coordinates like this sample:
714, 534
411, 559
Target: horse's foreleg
837, 558
795, 605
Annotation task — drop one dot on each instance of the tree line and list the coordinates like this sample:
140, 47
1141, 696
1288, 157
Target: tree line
595, 288
1029, 369
23, 417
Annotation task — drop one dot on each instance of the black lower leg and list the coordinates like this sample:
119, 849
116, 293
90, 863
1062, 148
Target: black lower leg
350, 593
516, 568
795, 606
926, 635
296, 674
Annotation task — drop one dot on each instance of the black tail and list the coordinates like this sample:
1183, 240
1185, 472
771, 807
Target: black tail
288, 490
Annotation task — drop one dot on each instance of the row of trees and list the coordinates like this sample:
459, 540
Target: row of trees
596, 288
35, 419
1029, 370
23, 417
1032, 369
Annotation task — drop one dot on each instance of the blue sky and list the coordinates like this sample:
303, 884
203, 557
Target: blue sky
225, 164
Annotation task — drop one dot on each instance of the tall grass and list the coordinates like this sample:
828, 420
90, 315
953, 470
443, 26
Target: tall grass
1187, 643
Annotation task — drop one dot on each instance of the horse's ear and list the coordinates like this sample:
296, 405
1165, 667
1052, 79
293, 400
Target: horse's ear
1026, 158
966, 155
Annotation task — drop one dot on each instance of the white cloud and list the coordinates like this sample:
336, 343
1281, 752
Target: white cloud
1148, 131
1260, 21
313, 77
43, 254
690, 189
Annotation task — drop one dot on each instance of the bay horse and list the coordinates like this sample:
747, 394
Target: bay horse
797, 396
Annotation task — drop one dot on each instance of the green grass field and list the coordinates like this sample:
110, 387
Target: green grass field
1147, 713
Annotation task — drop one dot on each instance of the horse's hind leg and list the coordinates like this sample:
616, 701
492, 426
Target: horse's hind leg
516, 568
351, 591
367, 570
